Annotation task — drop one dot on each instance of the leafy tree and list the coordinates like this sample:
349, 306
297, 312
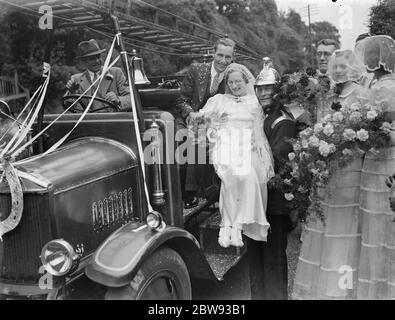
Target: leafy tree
324, 30
255, 23
382, 18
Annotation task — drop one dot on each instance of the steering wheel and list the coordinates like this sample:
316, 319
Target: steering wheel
80, 106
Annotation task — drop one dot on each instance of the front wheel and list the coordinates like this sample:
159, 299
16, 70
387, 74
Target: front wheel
163, 276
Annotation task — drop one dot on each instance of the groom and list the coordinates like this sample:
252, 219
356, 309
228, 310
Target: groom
268, 260
202, 81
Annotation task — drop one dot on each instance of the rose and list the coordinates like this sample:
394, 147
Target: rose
287, 181
349, 134
291, 156
306, 132
328, 129
289, 196
338, 117
347, 152
328, 118
314, 171
324, 148
318, 128
314, 141
297, 146
386, 127
332, 147
362, 135
295, 173
371, 115
355, 116
325, 174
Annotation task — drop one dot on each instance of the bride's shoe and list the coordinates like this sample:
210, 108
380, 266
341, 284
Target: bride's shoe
235, 238
224, 237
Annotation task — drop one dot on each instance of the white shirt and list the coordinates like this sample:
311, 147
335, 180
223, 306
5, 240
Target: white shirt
92, 74
213, 73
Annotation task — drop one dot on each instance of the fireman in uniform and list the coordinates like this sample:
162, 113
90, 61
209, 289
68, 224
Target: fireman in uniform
268, 260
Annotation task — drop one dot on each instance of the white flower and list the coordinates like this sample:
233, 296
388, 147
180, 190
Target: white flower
287, 181
355, 116
291, 156
318, 128
289, 196
297, 146
328, 129
305, 144
371, 115
328, 118
314, 171
347, 152
338, 116
355, 106
314, 141
295, 173
306, 132
349, 134
332, 147
362, 135
324, 148
386, 127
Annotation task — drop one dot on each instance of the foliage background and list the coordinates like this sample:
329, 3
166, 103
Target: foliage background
283, 36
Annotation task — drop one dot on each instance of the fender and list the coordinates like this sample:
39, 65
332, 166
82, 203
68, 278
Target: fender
117, 260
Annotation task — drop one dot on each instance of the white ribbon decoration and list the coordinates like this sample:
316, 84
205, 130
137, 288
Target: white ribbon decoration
106, 67
137, 130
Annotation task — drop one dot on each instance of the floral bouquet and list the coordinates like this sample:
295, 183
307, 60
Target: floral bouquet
300, 90
335, 141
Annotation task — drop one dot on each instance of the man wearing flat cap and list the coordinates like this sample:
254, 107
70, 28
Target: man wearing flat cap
113, 86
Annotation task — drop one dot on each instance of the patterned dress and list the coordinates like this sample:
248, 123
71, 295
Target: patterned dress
329, 259
376, 278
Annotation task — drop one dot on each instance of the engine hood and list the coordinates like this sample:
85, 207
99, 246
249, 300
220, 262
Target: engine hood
80, 161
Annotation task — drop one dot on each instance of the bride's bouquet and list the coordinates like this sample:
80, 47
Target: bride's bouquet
333, 142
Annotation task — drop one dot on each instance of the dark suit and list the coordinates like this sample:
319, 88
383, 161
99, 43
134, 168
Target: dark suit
195, 91
268, 260
114, 80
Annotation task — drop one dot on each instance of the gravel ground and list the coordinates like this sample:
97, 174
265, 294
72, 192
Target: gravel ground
235, 286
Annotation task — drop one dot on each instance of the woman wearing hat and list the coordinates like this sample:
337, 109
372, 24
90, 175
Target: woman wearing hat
113, 86
376, 277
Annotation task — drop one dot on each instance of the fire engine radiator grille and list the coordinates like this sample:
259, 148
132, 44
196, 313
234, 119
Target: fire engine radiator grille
21, 247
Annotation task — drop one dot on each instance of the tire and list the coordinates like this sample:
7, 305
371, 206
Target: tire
163, 276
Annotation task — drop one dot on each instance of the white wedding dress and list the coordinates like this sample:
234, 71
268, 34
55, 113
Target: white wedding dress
242, 159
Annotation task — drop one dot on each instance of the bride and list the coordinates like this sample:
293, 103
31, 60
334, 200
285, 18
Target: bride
241, 156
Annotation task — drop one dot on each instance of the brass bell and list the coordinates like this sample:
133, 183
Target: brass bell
138, 71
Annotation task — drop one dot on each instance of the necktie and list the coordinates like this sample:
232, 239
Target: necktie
214, 85
94, 79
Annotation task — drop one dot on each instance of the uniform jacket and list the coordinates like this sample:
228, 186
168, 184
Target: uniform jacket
195, 89
279, 126
114, 81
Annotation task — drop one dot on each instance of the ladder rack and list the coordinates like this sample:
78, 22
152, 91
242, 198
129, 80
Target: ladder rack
141, 24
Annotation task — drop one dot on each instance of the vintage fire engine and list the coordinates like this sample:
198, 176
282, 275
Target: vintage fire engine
86, 230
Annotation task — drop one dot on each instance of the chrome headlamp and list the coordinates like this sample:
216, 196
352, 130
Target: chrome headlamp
59, 258
155, 221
